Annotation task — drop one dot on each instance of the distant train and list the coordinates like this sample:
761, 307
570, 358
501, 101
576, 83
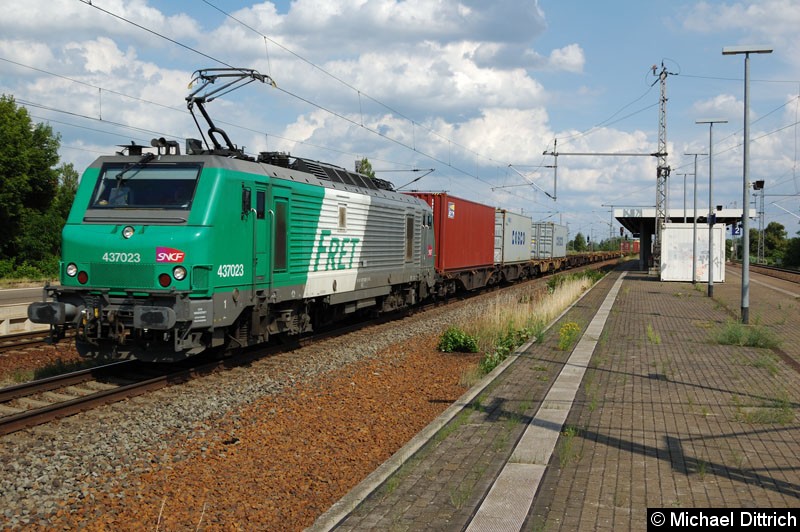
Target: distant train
165, 256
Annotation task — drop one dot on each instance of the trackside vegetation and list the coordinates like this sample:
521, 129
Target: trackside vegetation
36, 194
512, 320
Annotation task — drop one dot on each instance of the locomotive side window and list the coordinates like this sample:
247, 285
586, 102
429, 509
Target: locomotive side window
409, 238
152, 186
261, 204
342, 217
281, 236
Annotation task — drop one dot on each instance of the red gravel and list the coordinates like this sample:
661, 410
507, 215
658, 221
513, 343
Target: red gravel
22, 364
281, 462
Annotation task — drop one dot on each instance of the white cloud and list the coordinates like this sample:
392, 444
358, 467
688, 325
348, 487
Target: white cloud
101, 55
723, 106
461, 81
771, 22
569, 58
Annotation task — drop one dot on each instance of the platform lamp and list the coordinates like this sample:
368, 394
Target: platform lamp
759, 185
746, 50
712, 216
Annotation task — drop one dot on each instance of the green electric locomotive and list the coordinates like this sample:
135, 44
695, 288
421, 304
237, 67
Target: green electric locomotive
167, 255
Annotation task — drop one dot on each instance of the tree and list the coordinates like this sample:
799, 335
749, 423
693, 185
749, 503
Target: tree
365, 167
28, 177
791, 258
775, 242
39, 239
579, 244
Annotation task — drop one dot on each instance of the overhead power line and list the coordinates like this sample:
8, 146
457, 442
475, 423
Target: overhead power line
323, 108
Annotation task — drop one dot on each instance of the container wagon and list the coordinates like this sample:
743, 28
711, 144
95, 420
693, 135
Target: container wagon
464, 232
512, 243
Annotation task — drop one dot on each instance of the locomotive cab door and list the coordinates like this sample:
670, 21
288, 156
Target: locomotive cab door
280, 207
260, 236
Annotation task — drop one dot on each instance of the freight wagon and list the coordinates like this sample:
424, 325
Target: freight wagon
465, 237
512, 242
165, 256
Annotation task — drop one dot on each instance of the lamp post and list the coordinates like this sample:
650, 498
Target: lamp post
711, 213
694, 221
746, 50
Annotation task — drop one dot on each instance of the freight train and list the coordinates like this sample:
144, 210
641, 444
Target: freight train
168, 255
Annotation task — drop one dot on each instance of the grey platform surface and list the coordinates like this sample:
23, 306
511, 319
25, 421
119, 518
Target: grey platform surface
662, 416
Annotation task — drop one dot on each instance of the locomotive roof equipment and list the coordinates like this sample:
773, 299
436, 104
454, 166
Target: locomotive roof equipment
236, 78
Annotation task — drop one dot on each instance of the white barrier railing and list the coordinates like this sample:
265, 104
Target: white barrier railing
14, 319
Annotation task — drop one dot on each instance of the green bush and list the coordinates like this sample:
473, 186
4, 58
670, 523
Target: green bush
456, 340
6, 268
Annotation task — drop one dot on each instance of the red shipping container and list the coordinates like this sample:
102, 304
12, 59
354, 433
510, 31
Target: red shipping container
464, 231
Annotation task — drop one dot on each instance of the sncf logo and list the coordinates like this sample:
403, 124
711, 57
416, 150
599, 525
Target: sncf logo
169, 255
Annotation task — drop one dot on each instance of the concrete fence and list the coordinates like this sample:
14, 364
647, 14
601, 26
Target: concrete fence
14, 319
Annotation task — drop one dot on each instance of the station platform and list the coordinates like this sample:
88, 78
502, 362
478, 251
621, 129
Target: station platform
649, 410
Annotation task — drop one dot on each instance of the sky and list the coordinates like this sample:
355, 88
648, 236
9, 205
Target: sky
477, 91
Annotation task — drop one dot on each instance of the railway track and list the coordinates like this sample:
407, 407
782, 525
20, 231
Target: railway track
41, 401
10, 342
37, 402
771, 271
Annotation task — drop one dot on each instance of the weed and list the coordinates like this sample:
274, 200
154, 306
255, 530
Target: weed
734, 333
22, 375
539, 525
775, 411
766, 361
738, 459
593, 403
499, 444
702, 468
603, 338
652, 336
459, 496
390, 485
451, 427
568, 335
666, 367
566, 453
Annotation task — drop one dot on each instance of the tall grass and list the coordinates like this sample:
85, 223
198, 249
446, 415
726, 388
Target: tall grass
510, 320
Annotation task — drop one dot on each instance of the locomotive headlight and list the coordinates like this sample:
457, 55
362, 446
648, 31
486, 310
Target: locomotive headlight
179, 273
72, 269
128, 231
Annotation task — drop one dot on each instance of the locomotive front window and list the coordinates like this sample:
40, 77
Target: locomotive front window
146, 187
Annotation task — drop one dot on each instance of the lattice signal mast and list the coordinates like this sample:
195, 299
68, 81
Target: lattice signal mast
662, 171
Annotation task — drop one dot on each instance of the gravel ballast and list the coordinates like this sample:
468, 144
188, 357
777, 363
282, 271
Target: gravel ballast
269, 446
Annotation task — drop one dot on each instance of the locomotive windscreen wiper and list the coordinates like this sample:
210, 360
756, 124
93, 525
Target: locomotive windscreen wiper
146, 158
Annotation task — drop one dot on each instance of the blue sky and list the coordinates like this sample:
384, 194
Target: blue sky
466, 87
